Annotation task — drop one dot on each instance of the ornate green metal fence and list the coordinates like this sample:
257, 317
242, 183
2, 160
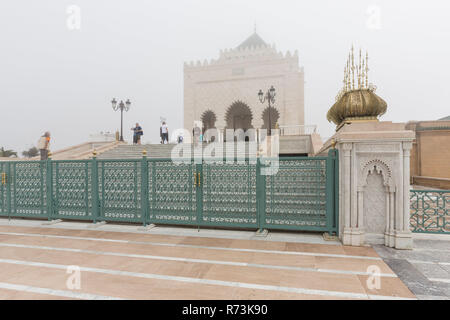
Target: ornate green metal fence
172, 192
29, 188
229, 193
300, 194
119, 190
430, 211
71, 190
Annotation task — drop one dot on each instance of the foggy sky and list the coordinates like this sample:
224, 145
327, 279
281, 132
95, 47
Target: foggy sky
62, 80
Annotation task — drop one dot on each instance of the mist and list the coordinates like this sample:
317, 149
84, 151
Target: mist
61, 79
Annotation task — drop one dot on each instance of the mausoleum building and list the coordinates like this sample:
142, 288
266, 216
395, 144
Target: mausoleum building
223, 93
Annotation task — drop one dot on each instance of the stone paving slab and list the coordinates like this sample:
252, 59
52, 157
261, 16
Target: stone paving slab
421, 267
432, 270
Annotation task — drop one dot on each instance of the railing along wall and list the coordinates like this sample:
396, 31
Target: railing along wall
430, 211
300, 195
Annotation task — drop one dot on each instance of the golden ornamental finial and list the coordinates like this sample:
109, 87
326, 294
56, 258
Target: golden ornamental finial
367, 69
348, 74
363, 74
353, 69
360, 71
345, 77
356, 103
94, 153
333, 143
356, 75
144, 152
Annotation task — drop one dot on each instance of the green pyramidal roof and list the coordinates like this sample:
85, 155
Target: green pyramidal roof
253, 41
445, 118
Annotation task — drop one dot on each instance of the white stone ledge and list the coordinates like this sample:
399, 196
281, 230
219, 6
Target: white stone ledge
431, 236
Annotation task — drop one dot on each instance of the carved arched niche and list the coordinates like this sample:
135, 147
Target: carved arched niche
379, 167
376, 198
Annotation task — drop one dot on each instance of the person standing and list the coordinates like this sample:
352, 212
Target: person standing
44, 145
164, 130
138, 132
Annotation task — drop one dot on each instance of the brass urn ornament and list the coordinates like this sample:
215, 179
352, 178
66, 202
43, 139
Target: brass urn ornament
356, 101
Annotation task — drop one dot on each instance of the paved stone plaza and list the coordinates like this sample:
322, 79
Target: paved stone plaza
126, 262
425, 270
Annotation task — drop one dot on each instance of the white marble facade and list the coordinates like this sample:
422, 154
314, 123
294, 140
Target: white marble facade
237, 76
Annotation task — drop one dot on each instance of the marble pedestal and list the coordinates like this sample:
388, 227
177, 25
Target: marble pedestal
374, 183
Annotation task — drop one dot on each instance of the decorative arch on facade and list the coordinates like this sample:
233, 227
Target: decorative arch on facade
239, 116
274, 117
209, 119
376, 166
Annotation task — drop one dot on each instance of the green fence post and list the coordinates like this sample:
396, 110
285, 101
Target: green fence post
330, 191
49, 187
8, 189
258, 194
152, 210
144, 188
199, 192
261, 195
94, 188
336, 191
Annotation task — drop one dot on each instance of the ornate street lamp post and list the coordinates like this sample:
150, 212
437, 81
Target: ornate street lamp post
270, 97
122, 106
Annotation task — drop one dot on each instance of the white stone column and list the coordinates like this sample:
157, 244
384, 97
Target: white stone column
220, 125
347, 236
360, 207
389, 236
220, 134
406, 185
403, 235
388, 218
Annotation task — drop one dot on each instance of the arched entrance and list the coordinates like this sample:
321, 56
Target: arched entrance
239, 116
209, 124
273, 119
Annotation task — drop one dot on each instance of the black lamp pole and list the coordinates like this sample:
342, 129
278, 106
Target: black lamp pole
122, 106
270, 96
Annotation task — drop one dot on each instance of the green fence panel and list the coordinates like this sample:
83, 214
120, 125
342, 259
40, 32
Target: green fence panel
72, 189
430, 211
29, 189
172, 191
229, 193
119, 189
295, 194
